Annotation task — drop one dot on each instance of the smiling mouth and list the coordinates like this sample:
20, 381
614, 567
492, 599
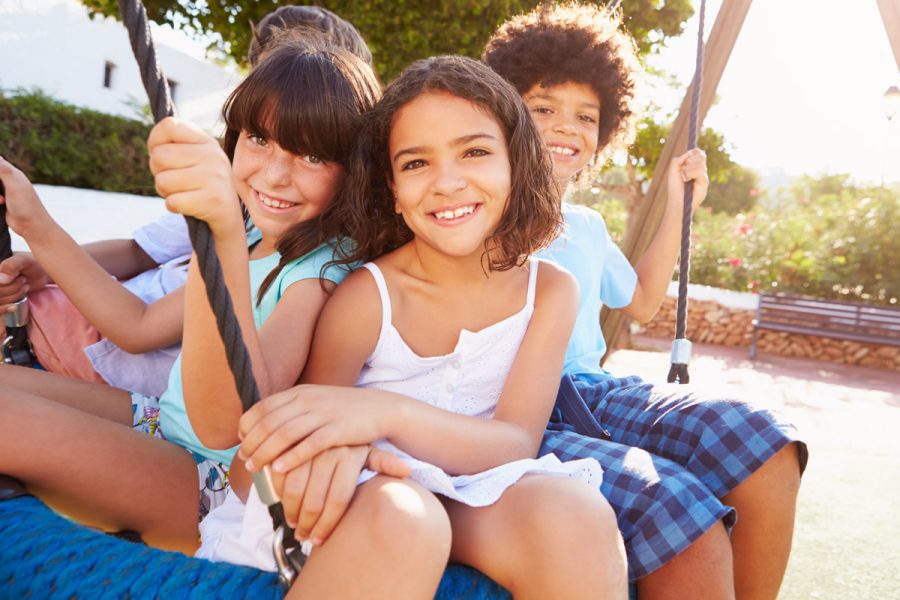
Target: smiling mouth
274, 202
562, 150
453, 214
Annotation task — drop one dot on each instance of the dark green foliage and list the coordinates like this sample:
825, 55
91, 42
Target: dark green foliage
399, 31
59, 144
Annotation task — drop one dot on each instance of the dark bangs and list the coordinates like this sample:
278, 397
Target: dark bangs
306, 102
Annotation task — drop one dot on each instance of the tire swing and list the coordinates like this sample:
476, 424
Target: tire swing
44, 555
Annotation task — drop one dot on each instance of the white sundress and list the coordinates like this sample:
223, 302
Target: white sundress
467, 381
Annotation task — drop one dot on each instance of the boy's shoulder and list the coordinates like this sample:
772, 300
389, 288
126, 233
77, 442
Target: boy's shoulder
579, 216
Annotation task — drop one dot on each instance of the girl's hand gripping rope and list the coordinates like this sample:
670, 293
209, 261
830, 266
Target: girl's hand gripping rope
194, 175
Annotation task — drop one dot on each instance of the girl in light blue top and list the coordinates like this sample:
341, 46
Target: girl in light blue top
85, 448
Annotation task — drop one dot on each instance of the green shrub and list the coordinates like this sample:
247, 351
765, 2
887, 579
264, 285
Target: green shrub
59, 144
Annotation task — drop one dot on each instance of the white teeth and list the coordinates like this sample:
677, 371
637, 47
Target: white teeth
272, 202
452, 214
562, 150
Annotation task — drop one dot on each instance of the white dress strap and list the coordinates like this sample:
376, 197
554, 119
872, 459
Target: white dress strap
378, 276
533, 263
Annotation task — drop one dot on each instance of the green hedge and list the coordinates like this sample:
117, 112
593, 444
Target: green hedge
59, 144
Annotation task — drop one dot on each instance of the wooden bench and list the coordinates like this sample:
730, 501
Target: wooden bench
869, 323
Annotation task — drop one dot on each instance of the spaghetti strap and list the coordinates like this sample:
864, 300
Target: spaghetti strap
533, 263
383, 293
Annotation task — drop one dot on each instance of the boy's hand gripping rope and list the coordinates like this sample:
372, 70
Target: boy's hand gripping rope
287, 551
681, 346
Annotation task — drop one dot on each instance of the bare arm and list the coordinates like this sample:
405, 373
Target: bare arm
321, 417
123, 259
655, 268
194, 176
117, 313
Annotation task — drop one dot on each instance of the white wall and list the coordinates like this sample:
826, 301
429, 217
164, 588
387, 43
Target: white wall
54, 45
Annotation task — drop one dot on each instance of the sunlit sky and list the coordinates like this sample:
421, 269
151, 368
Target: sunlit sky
803, 89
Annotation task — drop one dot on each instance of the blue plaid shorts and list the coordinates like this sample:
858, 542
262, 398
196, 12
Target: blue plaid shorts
668, 456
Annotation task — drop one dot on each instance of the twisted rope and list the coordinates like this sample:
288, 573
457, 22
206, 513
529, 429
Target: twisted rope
5, 240
681, 351
135, 19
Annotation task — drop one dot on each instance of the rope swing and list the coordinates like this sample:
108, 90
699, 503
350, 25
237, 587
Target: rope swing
681, 346
286, 549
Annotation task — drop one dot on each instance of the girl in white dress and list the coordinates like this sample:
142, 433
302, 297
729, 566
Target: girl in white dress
454, 340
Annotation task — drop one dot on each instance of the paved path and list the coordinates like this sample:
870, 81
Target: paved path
847, 541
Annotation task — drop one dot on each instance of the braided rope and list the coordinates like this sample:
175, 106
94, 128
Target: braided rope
135, 19
679, 370
5, 240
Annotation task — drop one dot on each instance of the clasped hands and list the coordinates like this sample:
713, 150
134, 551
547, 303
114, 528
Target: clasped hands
317, 440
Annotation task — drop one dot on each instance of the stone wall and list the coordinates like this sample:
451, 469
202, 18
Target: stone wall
710, 322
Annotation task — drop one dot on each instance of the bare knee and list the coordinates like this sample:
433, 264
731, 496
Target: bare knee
580, 515
785, 467
575, 505
702, 570
406, 517
573, 529
777, 480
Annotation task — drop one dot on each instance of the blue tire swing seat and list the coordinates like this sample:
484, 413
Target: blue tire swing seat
45, 555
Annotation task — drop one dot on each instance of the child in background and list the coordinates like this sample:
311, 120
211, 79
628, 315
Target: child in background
85, 448
74, 339
672, 460
454, 339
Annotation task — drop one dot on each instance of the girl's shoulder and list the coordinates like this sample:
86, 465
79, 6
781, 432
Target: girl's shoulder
555, 285
320, 261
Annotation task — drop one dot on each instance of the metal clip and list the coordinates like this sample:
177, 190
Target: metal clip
286, 571
290, 562
681, 351
17, 317
264, 486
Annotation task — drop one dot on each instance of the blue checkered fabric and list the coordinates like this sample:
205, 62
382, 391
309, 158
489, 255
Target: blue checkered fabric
667, 457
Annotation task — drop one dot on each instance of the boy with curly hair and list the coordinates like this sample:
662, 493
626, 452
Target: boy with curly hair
678, 468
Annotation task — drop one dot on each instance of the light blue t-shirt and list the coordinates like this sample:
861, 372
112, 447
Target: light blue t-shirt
173, 419
604, 276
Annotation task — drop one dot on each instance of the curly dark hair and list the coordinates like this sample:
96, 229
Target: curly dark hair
306, 24
532, 217
563, 43
308, 102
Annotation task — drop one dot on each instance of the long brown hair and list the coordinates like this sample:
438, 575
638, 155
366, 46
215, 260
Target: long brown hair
309, 102
366, 205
